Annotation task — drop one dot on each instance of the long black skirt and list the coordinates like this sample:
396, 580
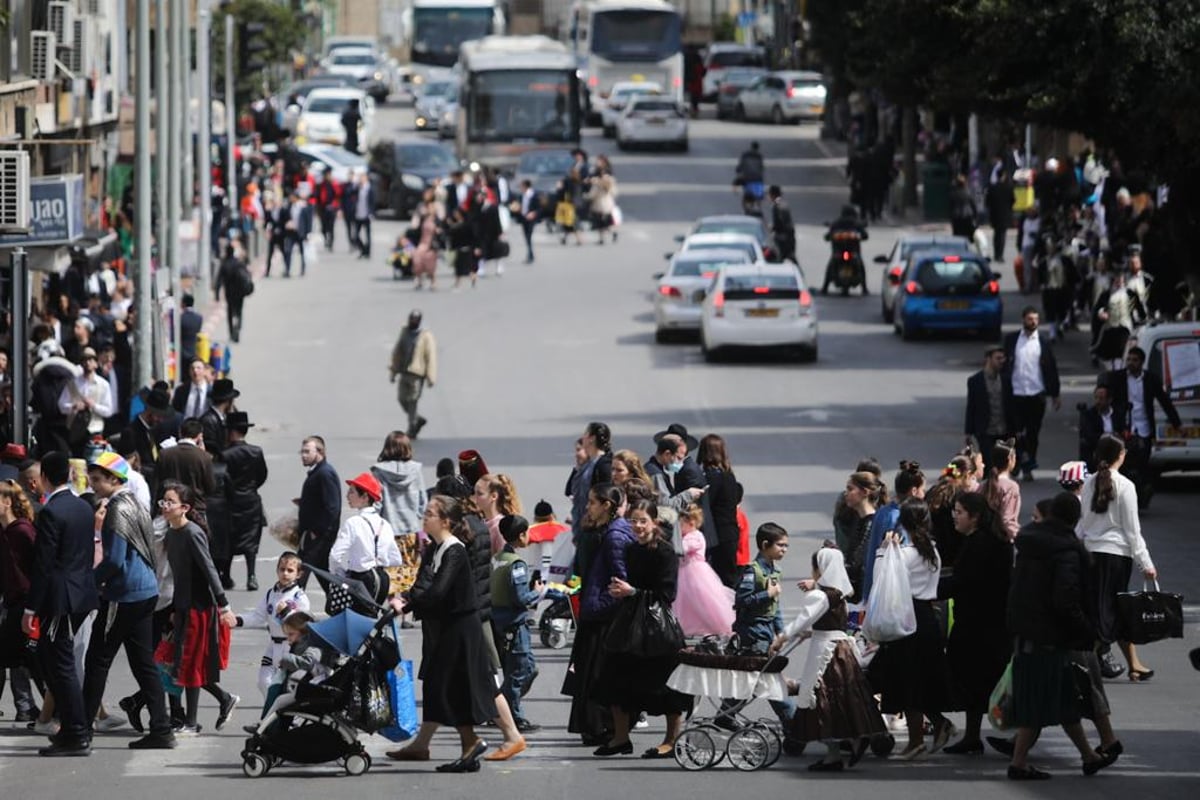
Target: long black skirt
588, 717
635, 684
910, 674
977, 652
1110, 577
457, 683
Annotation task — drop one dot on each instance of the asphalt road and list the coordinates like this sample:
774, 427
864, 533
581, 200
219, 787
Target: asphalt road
526, 361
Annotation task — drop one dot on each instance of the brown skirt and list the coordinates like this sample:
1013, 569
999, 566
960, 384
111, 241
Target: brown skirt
405, 575
845, 707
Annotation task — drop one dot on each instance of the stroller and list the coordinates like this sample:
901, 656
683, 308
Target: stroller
557, 620
315, 723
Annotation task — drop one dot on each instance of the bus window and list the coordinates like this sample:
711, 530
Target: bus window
521, 105
636, 35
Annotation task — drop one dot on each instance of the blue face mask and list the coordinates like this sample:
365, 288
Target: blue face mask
674, 467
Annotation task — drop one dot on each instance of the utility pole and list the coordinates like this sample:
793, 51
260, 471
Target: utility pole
230, 118
184, 48
162, 140
204, 142
143, 291
175, 172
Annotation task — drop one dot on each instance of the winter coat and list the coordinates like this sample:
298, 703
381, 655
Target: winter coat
404, 494
247, 472
1048, 588
609, 563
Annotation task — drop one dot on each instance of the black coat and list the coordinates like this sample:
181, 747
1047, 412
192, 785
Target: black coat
62, 581
480, 550
247, 473
1049, 587
215, 437
1117, 382
146, 444
1091, 428
723, 495
979, 410
321, 502
1048, 362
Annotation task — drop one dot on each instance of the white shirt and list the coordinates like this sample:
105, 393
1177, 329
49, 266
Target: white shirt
1139, 419
364, 541
922, 576
1106, 421
527, 201
139, 488
197, 401
89, 387
1027, 366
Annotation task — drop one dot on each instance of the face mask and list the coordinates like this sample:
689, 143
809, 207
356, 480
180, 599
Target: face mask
674, 467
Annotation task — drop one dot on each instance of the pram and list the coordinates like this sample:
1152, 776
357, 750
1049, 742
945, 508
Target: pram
315, 723
557, 620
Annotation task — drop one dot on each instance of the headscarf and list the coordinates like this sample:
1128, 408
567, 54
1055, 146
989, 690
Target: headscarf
832, 566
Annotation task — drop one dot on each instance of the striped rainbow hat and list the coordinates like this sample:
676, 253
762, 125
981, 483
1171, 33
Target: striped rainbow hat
111, 462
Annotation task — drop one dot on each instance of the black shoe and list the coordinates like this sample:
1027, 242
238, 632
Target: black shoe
1106, 760
525, 726
67, 748
154, 741
27, 716
964, 748
1000, 744
826, 766
227, 706
251, 584
132, 706
468, 762
1027, 774
227, 583
605, 750
1109, 668
421, 422
1114, 749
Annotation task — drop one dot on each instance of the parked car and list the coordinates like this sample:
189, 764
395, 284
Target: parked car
364, 66
320, 119
680, 290
730, 89
402, 170
448, 123
906, 243
428, 108
747, 243
721, 57
759, 306
737, 223
652, 120
783, 97
612, 106
948, 290
1173, 353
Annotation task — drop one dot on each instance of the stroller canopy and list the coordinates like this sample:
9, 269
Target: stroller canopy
345, 632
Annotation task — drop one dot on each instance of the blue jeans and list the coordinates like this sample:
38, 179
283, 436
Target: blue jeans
519, 666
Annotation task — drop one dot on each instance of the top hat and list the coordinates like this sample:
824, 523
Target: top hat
676, 429
223, 391
238, 421
471, 466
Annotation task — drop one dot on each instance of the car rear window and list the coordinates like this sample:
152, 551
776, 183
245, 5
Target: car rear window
694, 269
737, 58
750, 229
950, 273
761, 287
654, 105
745, 248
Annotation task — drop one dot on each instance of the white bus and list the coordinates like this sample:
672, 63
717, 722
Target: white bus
518, 93
625, 40
436, 29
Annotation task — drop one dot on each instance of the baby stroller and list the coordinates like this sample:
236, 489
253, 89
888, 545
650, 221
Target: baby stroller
315, 723
557, 620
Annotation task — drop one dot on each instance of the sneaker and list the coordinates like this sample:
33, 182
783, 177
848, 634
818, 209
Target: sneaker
253, 729
186, 731
227, 706
642, 722
154, 741
48, 728
29, 715
113, 722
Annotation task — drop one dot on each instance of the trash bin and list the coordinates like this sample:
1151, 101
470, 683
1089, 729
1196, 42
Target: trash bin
935, 180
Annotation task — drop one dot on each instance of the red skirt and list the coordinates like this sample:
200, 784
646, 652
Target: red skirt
202, 648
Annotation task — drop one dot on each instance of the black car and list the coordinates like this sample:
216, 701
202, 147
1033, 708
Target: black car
544, 169
402, 170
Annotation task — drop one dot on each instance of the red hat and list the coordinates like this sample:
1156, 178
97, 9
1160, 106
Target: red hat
366, 483
13, 452
471, 466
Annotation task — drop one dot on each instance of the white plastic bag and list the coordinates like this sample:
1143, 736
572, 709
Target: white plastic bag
563, 558
890, 612
617, 216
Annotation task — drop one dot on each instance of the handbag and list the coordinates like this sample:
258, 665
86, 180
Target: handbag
890, 612
370, 706
501, 250
1000, 703
1149, 616
403, 698
644, 627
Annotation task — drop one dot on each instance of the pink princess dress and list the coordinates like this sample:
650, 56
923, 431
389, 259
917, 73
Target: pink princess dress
703, 605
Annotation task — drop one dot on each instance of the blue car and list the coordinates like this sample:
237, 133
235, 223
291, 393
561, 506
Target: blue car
947, 289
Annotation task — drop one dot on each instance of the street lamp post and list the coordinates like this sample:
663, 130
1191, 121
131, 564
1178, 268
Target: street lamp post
144, 203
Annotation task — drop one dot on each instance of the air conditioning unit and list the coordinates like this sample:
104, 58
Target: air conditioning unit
14, 189
43, 53
62, 22
79, 60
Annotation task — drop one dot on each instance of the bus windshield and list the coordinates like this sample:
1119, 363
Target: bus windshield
636, 34
536, 105
438, 32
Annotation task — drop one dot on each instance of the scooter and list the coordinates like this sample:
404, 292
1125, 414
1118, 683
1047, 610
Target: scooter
845, 268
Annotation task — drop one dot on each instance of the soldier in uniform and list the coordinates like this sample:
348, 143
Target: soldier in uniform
512, 597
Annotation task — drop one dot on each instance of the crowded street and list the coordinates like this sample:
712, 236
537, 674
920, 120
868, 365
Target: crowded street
525, 360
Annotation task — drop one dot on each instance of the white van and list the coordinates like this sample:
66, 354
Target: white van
1173, 353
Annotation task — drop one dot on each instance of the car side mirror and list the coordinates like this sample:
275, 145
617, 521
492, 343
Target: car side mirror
667, 256
881, 259
680, 239
658, 276
699, 295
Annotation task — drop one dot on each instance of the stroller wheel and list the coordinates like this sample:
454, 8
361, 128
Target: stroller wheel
748, 749
774, 741
882, 744
357, 763
696, 748
254, 765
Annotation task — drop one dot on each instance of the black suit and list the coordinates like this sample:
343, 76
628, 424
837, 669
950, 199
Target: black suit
1029, 410
979, 413
320, 514
1091, 428
1137, 460
62, 592
190, 323
216, 439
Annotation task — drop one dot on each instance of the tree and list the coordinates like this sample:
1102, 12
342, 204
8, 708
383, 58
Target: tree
284, 33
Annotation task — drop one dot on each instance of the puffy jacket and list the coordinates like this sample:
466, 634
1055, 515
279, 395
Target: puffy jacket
481, 565
609, 563
404, 494
1049, 585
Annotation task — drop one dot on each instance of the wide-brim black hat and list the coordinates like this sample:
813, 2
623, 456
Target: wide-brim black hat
158, 400
238, 420
223, 391
676, 429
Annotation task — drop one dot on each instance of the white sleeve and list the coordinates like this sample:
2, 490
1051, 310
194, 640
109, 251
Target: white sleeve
340, 552
1131, 526
66, 399
258, 616
104, 406
389, 553
812, 606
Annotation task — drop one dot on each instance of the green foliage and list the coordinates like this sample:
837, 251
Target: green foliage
725, 29
285, 32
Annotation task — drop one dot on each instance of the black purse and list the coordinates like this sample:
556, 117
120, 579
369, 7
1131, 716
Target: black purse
1144, 617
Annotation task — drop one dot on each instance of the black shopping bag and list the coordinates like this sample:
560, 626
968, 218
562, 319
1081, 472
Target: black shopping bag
1149, 616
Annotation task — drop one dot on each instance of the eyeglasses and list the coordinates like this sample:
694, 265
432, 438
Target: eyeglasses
168, 503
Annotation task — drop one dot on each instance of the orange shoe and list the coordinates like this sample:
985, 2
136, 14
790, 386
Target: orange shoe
506, 751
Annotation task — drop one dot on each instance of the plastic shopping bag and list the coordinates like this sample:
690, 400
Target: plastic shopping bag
562, 559
1000, 704
890, 612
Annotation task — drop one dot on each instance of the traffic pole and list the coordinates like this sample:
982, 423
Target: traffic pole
204, 260
174, 174
143, 293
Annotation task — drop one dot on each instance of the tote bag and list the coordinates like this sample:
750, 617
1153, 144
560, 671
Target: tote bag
890, 612
1149, 616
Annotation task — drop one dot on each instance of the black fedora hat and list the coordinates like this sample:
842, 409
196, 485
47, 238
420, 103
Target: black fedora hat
223, 391
676, 429
238, 420
158, 400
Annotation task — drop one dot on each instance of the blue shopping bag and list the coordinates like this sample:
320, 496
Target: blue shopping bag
406, 721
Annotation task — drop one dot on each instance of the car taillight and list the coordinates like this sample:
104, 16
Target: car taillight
894, 274
791, 92
676, 82
805, 301
707, 275
912, 287
593, 81
993, 287
761, 290
670, 291
718, 302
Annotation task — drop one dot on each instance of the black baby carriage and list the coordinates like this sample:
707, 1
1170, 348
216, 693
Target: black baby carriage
315, 723
557, 620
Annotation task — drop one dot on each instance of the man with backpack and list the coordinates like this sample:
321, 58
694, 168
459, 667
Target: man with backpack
235, 278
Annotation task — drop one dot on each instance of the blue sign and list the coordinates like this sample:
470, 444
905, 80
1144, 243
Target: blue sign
55, 212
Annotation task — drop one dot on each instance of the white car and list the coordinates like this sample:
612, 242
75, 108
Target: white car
427, 109
320, 120
744, 242
649, 119
338, 163
680, 289
612, 106
758, 306
364, 65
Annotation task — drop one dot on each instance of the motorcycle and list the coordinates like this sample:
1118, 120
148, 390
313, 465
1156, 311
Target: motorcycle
845, 268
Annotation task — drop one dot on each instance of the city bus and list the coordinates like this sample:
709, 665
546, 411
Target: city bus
518, 93
435, 30
625, 40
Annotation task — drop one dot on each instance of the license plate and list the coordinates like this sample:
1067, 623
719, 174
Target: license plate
762, 312
656, 121
1186, 432
816, 109
954, 305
